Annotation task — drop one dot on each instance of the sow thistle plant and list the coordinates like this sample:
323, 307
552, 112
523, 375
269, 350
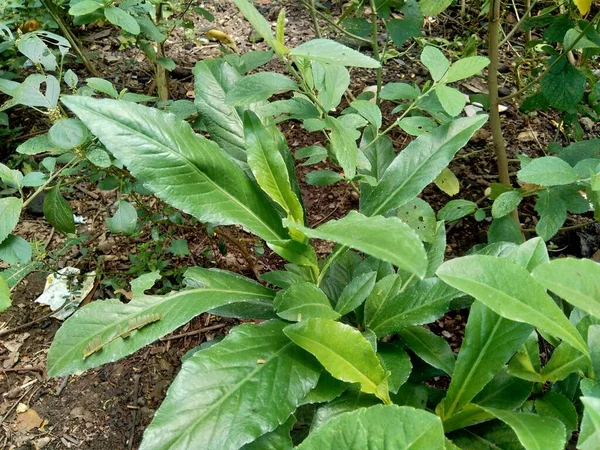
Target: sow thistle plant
341, 340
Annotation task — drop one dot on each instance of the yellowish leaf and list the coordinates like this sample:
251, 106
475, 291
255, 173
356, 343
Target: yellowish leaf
223, 38
583, 6
448, 182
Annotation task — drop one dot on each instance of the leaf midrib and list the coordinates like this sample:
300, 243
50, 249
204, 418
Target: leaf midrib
194, 167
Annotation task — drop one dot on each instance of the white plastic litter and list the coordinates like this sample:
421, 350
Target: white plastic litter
65, 286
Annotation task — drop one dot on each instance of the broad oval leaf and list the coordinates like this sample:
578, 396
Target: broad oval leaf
509, 290
58, 211
575, 280
258, 86
419, 163
344, 353
122, 18
15, 249
332, 52
379, 427
465, 68
548, 171
104, 323
386, 238
68, 134
303, 300
452, 100
186, 170
435, 61
10, 211
213, 400
125, 219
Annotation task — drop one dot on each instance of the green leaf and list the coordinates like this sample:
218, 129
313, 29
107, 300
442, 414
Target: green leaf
106, 319
422, 302
401, 30
506, 203
36, 145
179, 247
278, 439
99, 157
58, 212
575, 280
84, 7
355, 293
33, 47
510, 291
589, 436
125, 219
436, 250
433, 7
417, 125
452, 100
303, 300
435, 61
213, 79
269, 168
10, 211
172, 161
563, 86
15, 249
328, 51
556, 405
121, 18
34, 179
388, 239
29, 92
418, 165
432, 349
344, 353
369, 111
323, 177
396, 362
102, 85
565, 360
530, 254
326, 390
343, 145
144, 282
256, 19
534, 432
253, 362
399, 91
525, 364
4, 295
258, 305
419, 215
465, 68
548, 171
457, 209
379, 427
490, 341
258, 86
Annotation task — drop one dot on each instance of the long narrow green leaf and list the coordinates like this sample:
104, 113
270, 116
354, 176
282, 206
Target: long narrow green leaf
343, 351
575, 280
379, 428
509, 290
213, 401
182, 168
269, 168
432, 349
105, 323
419, 164
386, 238
490, 341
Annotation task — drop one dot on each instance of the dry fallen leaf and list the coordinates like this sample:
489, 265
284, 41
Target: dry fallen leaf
28, 420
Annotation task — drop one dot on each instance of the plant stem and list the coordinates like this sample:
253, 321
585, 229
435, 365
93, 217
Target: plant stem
375, 45
313, 16
46, 183
161, 76
75, 45
495, 124
335, 25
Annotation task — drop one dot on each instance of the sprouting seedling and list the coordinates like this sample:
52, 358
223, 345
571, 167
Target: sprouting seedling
97, 343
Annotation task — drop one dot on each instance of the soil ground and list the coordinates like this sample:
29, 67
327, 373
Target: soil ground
109, 407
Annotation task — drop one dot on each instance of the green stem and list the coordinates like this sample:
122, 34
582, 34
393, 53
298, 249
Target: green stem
375, 45
46, 183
